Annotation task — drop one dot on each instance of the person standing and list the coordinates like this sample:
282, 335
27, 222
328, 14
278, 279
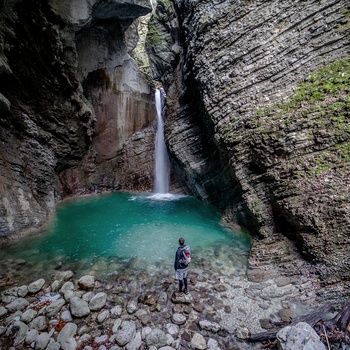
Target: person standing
182, 259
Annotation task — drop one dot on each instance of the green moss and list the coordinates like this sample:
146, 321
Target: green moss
167, 4
346, 23
153, 36
343, 151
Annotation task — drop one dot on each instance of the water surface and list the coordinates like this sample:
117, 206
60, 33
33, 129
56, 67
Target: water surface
123, 233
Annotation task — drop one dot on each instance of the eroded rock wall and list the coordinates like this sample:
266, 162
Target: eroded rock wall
71, 97
232, 70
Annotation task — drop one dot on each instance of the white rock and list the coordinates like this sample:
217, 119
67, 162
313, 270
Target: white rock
52, 309
101, 339
31, 336
64, 276
136, 343
28, 315
242, 332
66, 337
178, 319
3, 311
17, 304
98, 301
39, 323
22, 291
102, 316
56, 285
198, 342
67, 286
156, 338
21, 330
79, 307
66, 316
145, 331
88, 296
131, 307
116, 325
172, 329
86, 282
213, 344
42, 341
209, 326
36, 286
126, 333
116, 311
299, 337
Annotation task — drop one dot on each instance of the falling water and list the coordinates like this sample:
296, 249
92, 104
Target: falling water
161, 155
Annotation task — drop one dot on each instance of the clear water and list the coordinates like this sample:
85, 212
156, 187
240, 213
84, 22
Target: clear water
123, 233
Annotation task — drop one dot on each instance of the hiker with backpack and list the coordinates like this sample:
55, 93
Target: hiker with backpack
182, 260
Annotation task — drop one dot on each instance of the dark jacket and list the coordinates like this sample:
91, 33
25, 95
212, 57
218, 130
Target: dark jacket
178, 264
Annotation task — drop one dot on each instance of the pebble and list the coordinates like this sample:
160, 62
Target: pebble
132, 319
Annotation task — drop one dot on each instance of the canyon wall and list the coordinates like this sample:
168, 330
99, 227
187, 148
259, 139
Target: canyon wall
76, 114
258, 115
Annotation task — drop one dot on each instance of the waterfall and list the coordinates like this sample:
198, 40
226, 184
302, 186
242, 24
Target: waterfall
161, 154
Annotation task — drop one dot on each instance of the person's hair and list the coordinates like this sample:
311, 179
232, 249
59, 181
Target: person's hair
181, 241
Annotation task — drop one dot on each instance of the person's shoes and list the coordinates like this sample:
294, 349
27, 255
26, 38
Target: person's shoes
179, 295
186, 292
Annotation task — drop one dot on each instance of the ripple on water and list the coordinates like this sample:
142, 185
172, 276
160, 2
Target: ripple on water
127, 234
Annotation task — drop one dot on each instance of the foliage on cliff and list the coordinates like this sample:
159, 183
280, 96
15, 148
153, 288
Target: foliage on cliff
301, 151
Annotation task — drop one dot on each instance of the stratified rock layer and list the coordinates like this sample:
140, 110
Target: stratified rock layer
243, 131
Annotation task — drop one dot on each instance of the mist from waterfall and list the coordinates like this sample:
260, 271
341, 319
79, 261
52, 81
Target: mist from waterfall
161, 154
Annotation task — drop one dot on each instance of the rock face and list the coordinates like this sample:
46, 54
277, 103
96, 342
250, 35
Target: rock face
258, 115
71, 98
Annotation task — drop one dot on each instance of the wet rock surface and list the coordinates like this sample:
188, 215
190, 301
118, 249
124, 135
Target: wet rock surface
248, 119
121, 312
70, 100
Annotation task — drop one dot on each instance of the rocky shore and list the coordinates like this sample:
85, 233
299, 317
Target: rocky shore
221, 312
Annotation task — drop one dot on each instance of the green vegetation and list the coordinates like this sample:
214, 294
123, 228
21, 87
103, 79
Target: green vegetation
320, 107
346, 24
153, 36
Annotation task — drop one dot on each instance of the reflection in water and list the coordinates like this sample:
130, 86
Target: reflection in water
130, 234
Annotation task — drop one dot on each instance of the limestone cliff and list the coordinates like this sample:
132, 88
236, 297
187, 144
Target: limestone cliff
75, 112
258, 115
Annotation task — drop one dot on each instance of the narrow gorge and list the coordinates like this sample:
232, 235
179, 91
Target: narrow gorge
256, 123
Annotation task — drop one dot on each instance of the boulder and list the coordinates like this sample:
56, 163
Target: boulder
21, 331
131, 307
156, 338
127, 332
17, 304
39, 323
87, 282
66, 337
299, 337
136, 343
36, 286
28, 315
198, 342
31, 336
42, 341
79, 307
178, 319
52, 309
98, 301
209, 326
